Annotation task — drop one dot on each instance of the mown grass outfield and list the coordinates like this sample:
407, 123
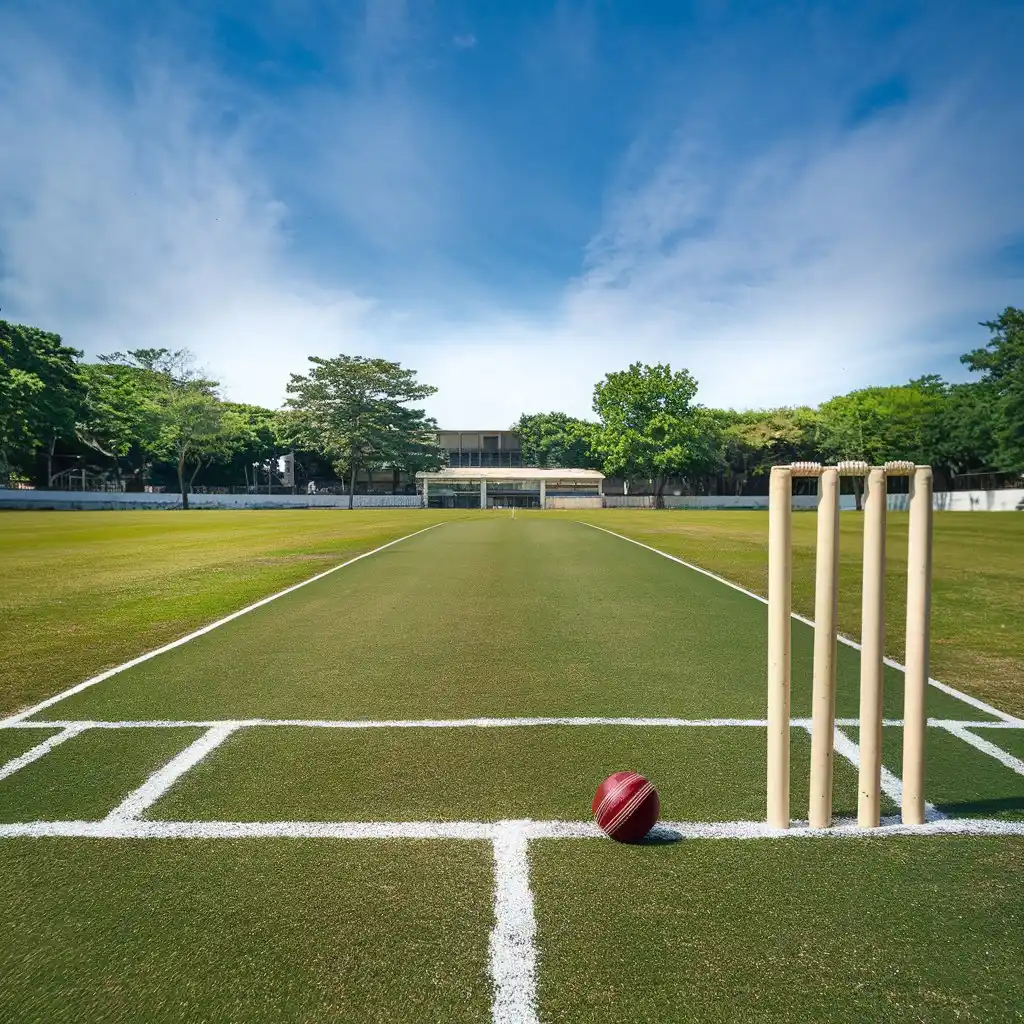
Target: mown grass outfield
368, 799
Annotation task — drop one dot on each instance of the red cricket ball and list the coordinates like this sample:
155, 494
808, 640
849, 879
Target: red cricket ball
626, 806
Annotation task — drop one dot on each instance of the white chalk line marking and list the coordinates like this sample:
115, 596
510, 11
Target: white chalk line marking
985, 746
891, 785
475, 723
69, 730
160, 781
513, 953
966, 698
139, 828
78, 688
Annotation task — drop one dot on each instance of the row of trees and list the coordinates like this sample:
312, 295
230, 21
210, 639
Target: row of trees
150, 416
650, 427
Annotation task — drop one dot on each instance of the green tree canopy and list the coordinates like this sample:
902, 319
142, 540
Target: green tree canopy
880, 424
557, 440
40, 392
254, 439
192, 429
356, 410
180, 417
1001, 365
120, 416
751, 442
650, 426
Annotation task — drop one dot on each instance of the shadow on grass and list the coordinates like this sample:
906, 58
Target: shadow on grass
972, 808
660, 836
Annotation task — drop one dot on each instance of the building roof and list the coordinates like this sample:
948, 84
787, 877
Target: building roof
513, 473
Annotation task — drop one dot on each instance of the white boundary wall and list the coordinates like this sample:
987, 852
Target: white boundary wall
712, 501
943, 501
968, 501
73, 500
574, 502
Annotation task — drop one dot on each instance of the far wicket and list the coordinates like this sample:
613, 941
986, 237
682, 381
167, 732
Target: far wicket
919, 568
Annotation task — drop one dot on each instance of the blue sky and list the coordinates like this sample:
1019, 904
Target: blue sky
790, 200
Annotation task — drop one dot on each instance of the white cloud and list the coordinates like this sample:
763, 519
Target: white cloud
466, 41
135, 220
825, 261
822, 265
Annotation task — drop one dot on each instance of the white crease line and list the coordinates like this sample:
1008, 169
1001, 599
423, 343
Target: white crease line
50, 701
1002, 756
138, 828
945, 723
966, 698
892, 785
160, 781
41, 749
441, 723
513, 955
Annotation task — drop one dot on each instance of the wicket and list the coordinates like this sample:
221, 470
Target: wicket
826, 597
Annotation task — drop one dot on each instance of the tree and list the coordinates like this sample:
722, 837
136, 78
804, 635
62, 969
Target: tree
650, 426
355, 410
253, 441
1001, 365
964, 433
416, 449
191, 428
754, 441
39, 392
882, 424
557, 440
120, 416
188, 427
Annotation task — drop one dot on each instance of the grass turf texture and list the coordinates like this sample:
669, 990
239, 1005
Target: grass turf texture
299, 774
977, 612
89, 775
244, 930
838, 931
493, 617
490, 616
15, 742
84, 591
1011, 740
961, 781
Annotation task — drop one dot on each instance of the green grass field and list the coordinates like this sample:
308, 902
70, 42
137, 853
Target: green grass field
369, 798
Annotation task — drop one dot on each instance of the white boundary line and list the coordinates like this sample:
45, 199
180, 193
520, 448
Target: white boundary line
513, 955
50, 701
966, 698
985, 746
477, 723
892, 785
160, 781
669, 831
40, 749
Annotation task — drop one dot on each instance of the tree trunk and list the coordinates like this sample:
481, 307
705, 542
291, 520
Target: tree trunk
181, 481
352, 486
858, 490
659, 496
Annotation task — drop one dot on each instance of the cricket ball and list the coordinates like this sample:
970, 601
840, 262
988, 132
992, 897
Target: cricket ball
626, 806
